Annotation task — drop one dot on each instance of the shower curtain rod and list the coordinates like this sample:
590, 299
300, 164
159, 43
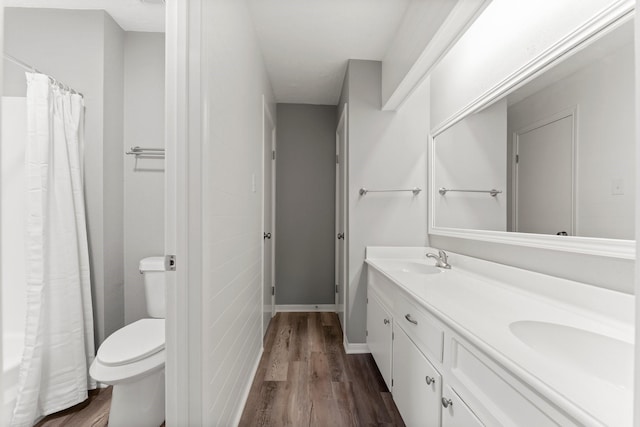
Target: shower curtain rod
35, 70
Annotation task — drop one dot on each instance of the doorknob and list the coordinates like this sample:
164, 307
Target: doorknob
340, 236
266, 236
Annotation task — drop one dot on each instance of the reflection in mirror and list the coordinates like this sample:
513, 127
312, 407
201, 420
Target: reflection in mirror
560, 150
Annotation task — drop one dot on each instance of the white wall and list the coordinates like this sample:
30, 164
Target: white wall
505, 37
143, 178
385, 150
472, 155
234, 80
79, 47
113, 188
483, 58
603, 94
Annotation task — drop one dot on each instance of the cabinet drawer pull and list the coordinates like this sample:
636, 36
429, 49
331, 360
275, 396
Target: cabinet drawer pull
446, 402
429, 380
386, 321
408, 317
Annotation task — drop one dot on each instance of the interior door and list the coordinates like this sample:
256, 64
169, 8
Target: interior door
268, 236
341, 216
544, 195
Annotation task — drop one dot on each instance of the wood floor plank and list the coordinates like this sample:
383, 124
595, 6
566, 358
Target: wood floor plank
299, 347
279, 352
316, 339
335, 353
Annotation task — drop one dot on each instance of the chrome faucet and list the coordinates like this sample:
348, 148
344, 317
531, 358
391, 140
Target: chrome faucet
441, 259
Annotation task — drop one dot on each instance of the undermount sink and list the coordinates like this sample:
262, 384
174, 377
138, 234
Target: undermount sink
604, 357
417, 268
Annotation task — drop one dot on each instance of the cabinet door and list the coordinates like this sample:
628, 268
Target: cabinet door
456, 413
379, 330
417, 384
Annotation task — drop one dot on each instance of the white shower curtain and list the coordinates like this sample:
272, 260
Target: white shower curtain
59, 344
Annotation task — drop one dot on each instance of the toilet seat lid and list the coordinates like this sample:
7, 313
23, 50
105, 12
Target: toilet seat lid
134, 342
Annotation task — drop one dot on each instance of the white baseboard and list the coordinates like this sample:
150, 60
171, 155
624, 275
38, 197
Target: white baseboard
245, 394
307, 307
355, 348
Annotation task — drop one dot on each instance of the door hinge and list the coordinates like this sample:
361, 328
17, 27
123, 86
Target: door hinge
517, 158
273, 154
169, 263
393, 336
367, 300
337, 159
391, 382
366, 333
337, 289
273, 290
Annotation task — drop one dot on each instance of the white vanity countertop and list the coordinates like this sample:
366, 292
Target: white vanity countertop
586, 370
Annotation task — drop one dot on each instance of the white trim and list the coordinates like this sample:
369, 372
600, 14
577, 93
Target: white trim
247, 389
463, 14
284, 308
355, 348
183, 368
268, 117
614, 16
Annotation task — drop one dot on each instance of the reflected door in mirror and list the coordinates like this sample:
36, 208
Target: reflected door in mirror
544, 177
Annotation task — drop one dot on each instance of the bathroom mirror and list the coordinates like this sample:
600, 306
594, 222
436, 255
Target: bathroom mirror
550, 164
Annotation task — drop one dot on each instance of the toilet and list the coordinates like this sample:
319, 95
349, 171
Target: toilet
132, 358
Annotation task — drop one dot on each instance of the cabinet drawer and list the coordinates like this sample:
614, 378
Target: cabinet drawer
423, 328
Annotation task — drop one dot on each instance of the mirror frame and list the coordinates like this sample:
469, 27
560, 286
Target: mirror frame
592, 30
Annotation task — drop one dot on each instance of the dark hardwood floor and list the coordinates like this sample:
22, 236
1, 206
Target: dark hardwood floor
306, 379
93, 412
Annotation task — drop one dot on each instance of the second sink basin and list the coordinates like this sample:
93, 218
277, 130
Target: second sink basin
605, 357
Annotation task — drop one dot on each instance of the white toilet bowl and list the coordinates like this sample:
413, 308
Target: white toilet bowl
132, 359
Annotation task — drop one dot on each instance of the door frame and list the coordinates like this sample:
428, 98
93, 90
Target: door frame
268, 116
341, 165
184, 145
573, 114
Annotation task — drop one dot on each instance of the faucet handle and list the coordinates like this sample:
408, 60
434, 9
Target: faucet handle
443, 255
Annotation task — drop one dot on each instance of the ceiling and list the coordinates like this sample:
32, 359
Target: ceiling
306, 44
131, 15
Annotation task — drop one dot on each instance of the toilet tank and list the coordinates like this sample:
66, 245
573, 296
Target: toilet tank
152, 268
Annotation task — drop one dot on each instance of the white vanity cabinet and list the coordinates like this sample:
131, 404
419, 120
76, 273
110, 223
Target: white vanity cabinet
438, 377
379, 335
417, 385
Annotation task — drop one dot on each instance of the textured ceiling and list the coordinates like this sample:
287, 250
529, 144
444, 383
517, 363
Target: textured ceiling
306, 44
131, 15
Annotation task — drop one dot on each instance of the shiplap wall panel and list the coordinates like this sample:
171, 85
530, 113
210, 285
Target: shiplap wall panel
235, 81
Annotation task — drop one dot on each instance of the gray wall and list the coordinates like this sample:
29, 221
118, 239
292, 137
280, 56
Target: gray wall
113, 188
305, 204
386, 149
143, 178
84, 50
